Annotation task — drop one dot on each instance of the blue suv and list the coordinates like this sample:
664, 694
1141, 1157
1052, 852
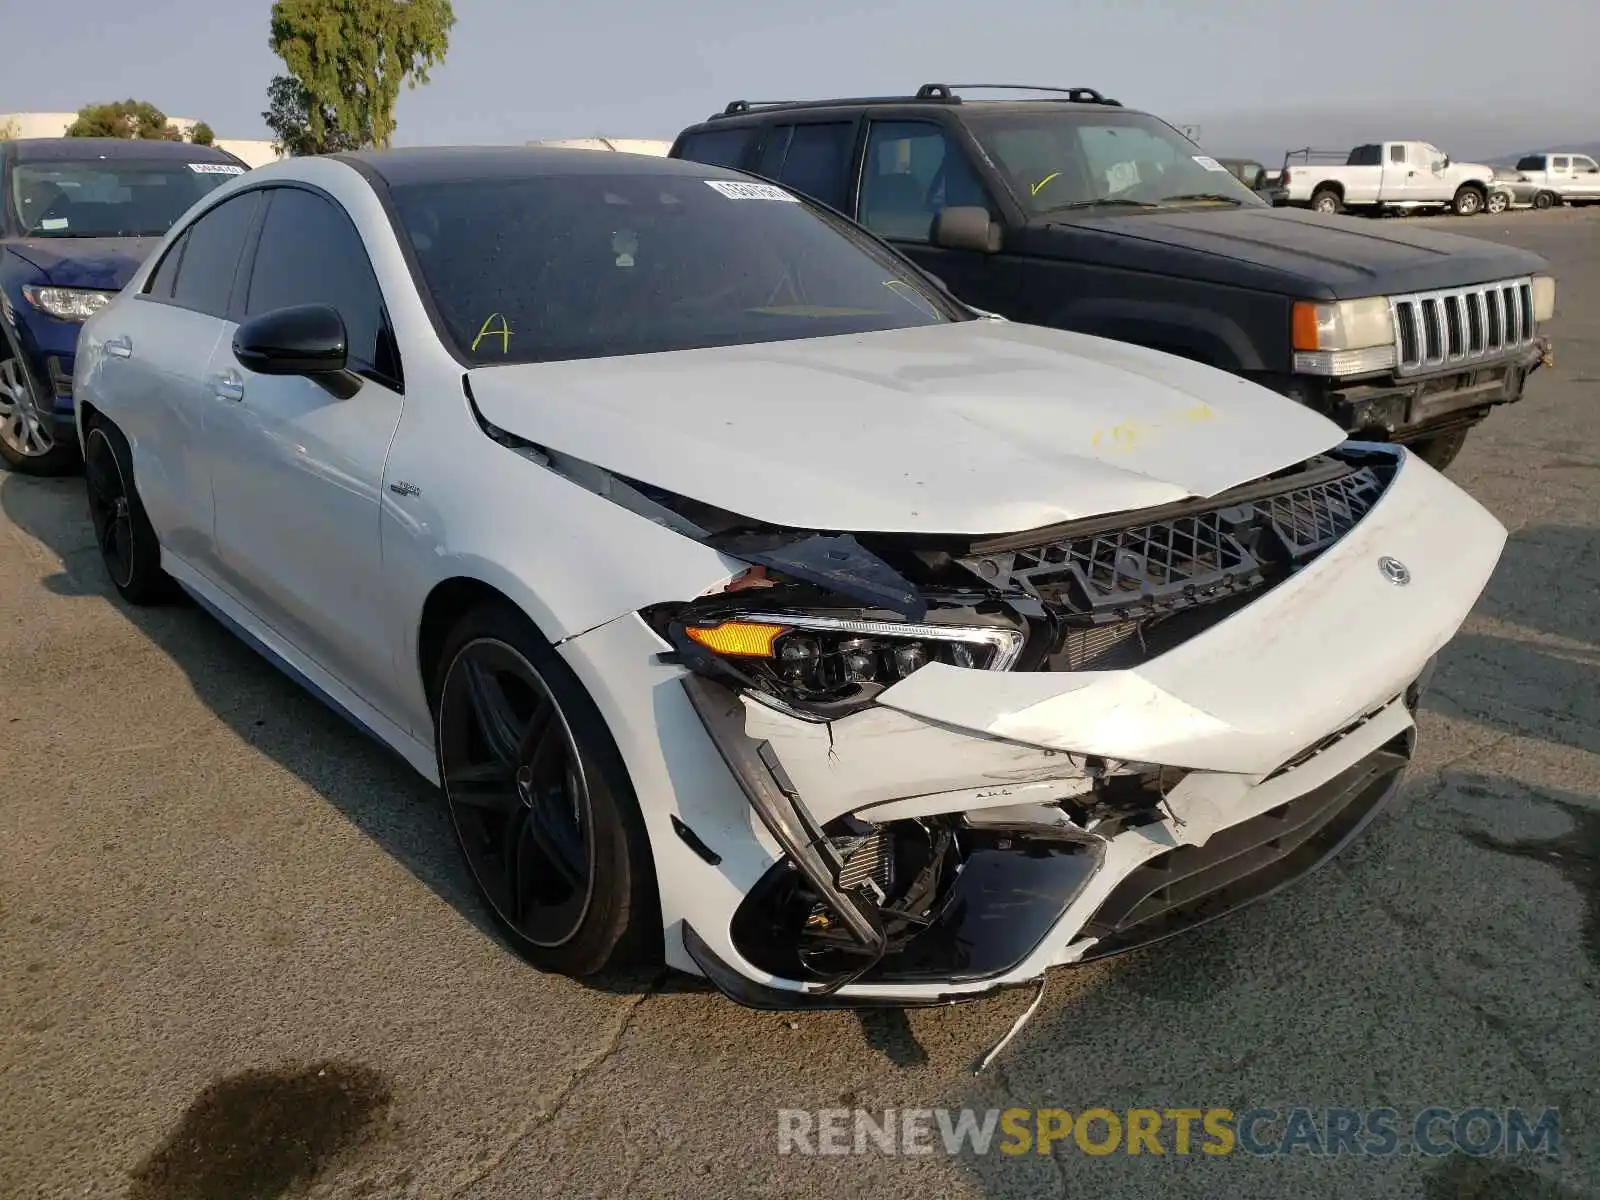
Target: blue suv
77, 217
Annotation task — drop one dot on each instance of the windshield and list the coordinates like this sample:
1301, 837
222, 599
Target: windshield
109, 197
544, 268
1066, 159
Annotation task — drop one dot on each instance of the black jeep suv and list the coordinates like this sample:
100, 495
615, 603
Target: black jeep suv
1075, 212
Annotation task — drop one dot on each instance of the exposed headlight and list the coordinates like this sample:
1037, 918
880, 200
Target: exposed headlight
1349, 337
67, 304
829, 665
1544, 297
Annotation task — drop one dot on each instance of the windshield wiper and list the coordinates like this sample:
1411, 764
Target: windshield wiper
1213, 196
1112, 202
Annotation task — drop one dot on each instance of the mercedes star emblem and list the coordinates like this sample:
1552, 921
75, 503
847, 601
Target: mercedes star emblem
1395, 571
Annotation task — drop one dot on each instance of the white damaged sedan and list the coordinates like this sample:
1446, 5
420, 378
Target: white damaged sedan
754, 604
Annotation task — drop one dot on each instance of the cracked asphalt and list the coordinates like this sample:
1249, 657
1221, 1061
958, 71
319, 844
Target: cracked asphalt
238, 956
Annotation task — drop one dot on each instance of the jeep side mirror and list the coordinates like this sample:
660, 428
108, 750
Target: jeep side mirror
967, 228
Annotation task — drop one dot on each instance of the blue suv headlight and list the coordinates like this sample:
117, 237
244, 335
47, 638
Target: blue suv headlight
67, 304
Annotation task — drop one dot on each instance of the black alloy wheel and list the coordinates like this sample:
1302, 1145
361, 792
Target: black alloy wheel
518, 792
128, 543
542, 803
109, 507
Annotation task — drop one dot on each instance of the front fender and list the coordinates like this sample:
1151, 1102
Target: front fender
456, 505
1208, 337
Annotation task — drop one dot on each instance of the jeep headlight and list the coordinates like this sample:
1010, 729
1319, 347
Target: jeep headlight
1544, 297
1345, 337
67, 304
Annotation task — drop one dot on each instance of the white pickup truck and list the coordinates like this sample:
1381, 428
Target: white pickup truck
1381, 176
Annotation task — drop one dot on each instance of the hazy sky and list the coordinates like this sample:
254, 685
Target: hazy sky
1258, 75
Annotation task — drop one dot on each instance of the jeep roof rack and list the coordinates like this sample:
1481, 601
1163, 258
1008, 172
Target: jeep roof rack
937, 93
1072, 95
737, 108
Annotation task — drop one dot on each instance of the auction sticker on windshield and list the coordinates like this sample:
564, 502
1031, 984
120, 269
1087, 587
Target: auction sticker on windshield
1208, 163
750, 191
216, 169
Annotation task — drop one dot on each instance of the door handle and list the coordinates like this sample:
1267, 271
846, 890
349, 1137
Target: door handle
119, 347
226, 386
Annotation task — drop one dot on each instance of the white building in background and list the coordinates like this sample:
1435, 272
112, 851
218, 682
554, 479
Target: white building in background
652, 146
253, 152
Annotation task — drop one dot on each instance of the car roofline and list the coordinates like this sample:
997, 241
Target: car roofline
944, 94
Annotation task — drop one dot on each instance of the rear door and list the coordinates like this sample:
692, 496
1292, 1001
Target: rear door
1396, 173
813, 158
155, 352
297, 470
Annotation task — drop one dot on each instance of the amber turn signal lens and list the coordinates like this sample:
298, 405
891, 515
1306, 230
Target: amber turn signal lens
742, 638
1305, 327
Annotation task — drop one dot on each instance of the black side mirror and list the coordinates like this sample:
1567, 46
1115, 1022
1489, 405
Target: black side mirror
967, 228
307, 339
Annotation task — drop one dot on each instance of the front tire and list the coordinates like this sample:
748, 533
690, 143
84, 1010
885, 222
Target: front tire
27, 443
1498, 203
1440, 450
128, 544
542, 806
1468, 202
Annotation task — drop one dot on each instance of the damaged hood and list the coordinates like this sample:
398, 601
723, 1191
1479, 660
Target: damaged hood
979, 427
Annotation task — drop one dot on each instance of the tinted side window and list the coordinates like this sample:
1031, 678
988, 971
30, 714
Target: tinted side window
215, 243
1533, 162
160, 282
310, 253
773, 150
718, 147
1397, 154
811, 159
913, 171
1366, 156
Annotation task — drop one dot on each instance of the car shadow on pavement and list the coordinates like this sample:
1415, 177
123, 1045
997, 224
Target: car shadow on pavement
1537, 671
374, 788
1355, 989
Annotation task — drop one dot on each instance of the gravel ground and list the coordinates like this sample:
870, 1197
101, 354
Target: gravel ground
238, 957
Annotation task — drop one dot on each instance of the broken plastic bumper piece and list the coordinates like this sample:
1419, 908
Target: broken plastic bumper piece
970, 828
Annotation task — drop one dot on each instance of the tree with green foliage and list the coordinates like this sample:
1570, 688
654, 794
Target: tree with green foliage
124, 119
201, 135
288, 115
349, 58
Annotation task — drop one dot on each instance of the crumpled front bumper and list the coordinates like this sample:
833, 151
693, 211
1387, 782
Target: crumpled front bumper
1412, 408
1293, 717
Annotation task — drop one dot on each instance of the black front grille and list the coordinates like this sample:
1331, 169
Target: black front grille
1191, 885
1171, 560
